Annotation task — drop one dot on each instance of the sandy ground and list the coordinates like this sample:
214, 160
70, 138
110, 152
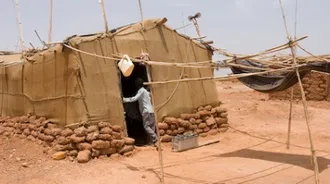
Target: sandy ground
253, 151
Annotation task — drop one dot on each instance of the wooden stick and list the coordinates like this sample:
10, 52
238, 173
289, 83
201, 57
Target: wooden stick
315, 163
316, 169
222, 78
50, 21
104, 16
160, 150
312, 54
141, 14
290, 117
19, 23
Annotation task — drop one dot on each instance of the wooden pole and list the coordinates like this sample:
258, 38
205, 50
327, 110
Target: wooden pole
290, 117
50, 21
292, 89
19, 23
141, 14
315, 164
104, 16
160, 150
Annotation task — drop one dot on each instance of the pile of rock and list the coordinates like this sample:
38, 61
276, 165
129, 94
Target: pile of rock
83, 143
316, 86
204, 121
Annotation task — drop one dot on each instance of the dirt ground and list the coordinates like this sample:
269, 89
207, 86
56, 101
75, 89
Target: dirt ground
253, 151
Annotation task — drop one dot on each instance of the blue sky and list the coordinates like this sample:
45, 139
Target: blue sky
241, 26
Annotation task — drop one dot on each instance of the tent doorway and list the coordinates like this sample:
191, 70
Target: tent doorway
133, 117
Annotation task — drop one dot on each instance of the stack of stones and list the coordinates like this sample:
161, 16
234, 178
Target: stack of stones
205, 121
316, 86
82, 143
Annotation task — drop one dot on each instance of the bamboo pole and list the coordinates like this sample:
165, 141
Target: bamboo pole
160, 150
19, 23
50, 21
290, 117
104, 16
315, 164
223, 78
141, 14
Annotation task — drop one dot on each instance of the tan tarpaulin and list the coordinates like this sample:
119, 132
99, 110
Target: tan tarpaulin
72, 87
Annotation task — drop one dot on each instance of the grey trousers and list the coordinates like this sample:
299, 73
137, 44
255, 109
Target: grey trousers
149, 124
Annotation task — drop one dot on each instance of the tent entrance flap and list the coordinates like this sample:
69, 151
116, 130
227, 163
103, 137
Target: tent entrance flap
133, 116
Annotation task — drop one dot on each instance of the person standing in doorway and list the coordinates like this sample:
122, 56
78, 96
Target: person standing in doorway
146, 109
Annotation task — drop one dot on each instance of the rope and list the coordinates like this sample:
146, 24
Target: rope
177, 84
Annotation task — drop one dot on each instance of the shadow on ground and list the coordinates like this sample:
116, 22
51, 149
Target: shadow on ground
292, 159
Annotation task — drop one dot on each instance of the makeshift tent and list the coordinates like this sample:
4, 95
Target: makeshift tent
71, 87
274, 82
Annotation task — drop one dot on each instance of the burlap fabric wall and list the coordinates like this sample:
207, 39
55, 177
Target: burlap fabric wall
72, 87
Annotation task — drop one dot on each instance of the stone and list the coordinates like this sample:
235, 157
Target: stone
202, 125
221, 120
117, 143
34, 133
126, 149
166, 138
199, 131
77, 139
173, 127
92, 128
129, 141
204, 113
72, 153
66, 132
104, 124
213, 111
81, 131
163, 126
174, 132
128, 154
55, 131
203, 134
222, 130
211, 121
116, 135
18, 159
224, 115
192, 120
161, 132
206, 129
31, 138
84, 146
116, 128
84, 156
181, 130
96, 153
63, 140
213, 132
59, 155
208, 107
225, 125
92, 136
26, 132
193, 127
169, 132
108, 151
25, 164
105, 137
198, 121
99, 144
106, 130
64, 147
170, 120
